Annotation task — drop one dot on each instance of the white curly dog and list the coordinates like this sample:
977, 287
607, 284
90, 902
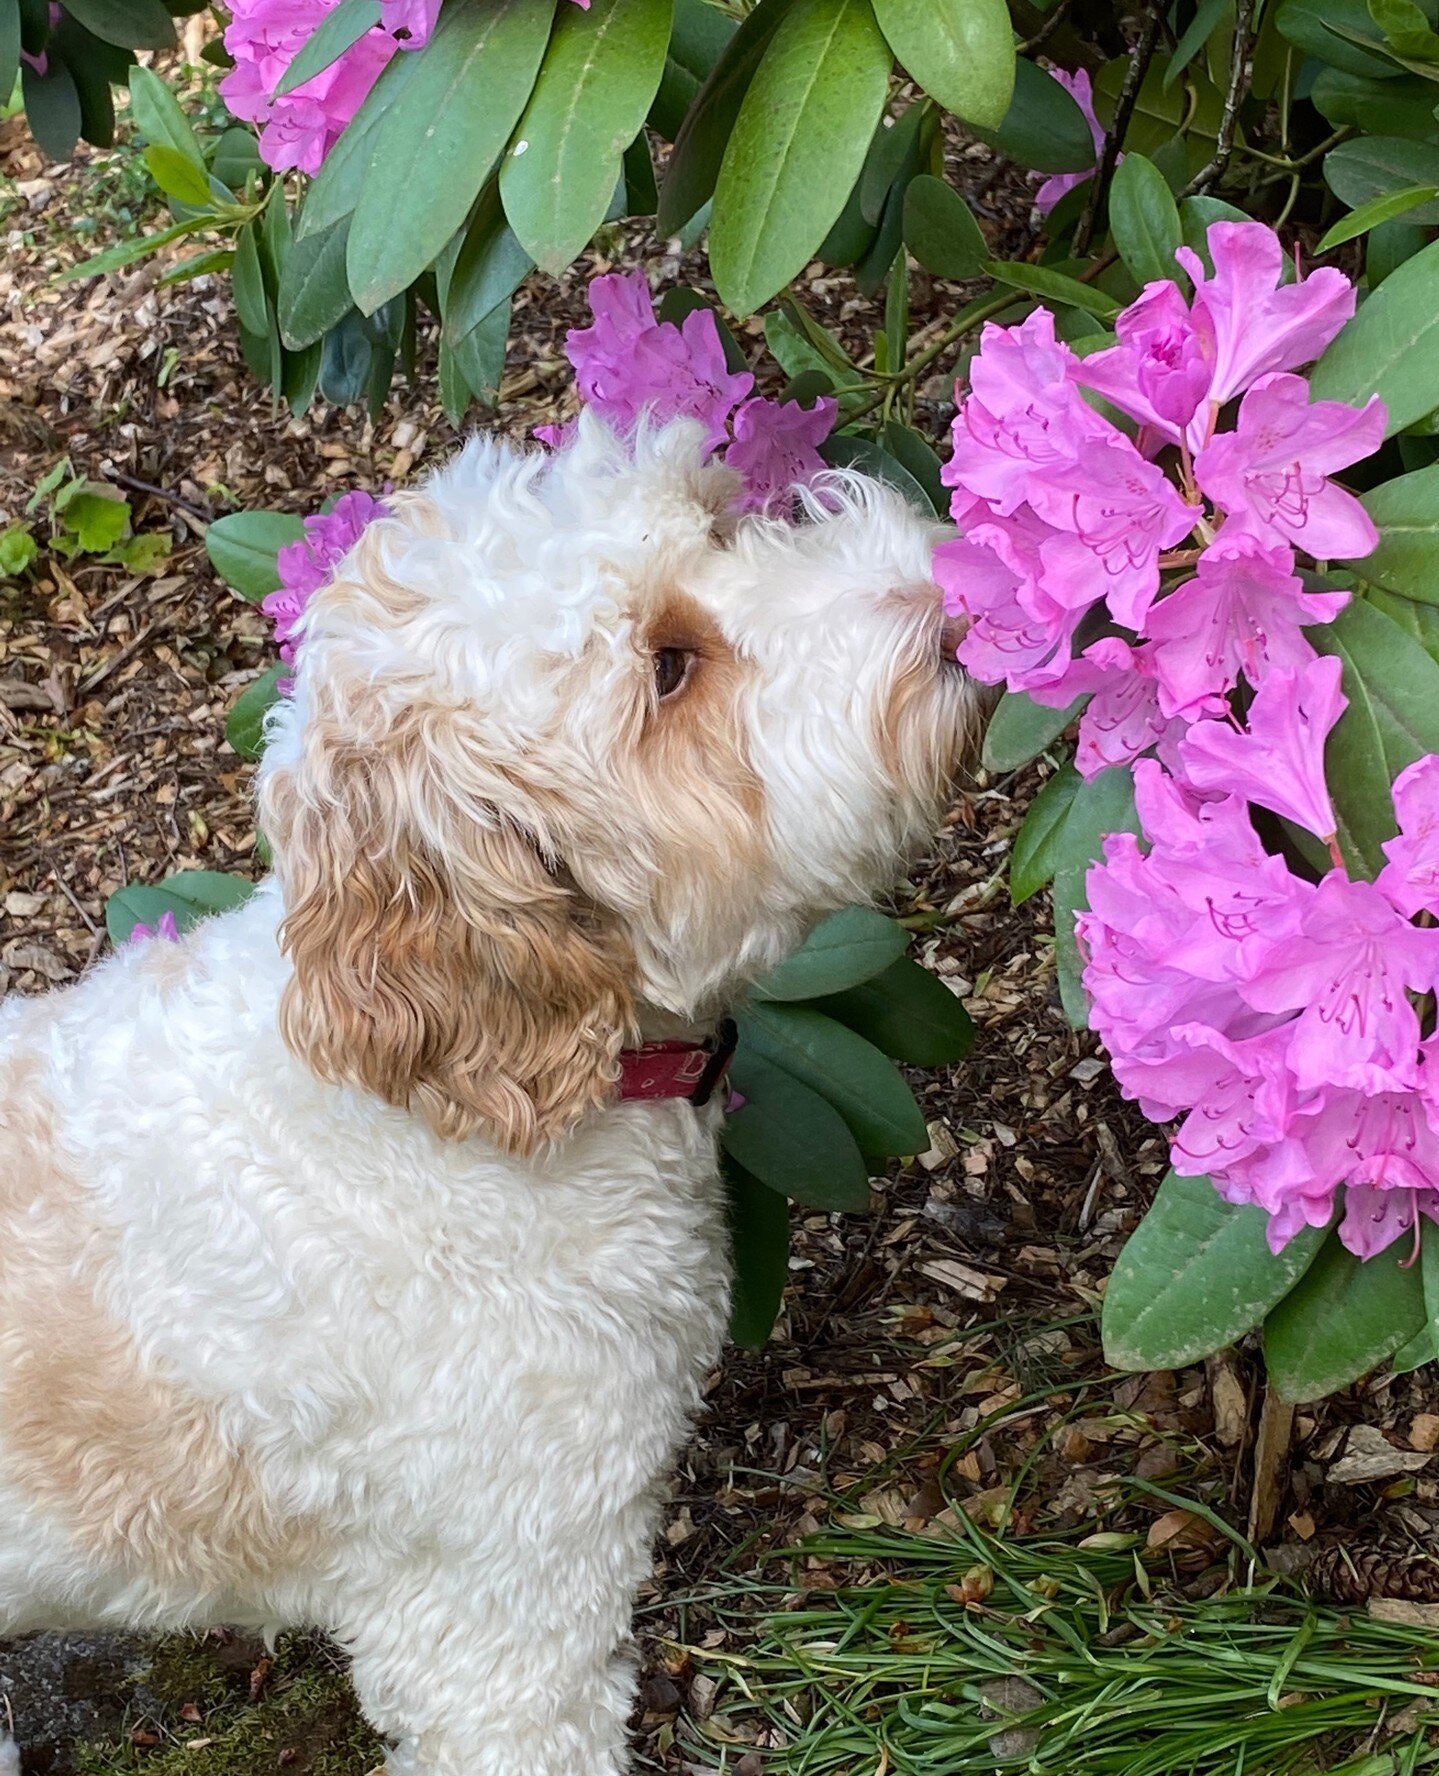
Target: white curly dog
342, 1282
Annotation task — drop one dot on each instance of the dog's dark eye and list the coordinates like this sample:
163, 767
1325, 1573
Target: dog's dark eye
672, 668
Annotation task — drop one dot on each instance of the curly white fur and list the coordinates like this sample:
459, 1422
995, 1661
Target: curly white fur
335, 1287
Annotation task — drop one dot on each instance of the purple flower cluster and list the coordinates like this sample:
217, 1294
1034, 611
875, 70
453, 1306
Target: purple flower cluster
309, 563
629, 364
1273, 1018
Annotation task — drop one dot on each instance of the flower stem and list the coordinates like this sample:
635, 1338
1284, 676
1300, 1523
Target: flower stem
968, 320
1336, 854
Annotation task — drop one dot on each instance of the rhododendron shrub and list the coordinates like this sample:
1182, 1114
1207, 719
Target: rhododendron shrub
1150, 536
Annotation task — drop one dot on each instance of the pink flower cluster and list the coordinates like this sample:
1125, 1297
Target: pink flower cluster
306, 565
629, 365
1272, 1016
299, 128
1070, 521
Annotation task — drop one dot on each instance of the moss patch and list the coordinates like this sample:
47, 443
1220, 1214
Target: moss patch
219, 1705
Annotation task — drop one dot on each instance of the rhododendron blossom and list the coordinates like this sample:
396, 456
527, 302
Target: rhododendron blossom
310, 562
630, 366
164, 928
1081, 89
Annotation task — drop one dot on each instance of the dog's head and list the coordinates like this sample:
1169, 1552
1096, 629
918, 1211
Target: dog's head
568, 741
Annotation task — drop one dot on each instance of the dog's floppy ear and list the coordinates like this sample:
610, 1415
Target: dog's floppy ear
437, 961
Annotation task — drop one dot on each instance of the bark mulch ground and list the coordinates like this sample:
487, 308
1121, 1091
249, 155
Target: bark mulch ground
929, 1355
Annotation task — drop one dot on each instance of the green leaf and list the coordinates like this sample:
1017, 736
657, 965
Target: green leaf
1053, 286
235, 158
907, 1013
941, 232
337, 187
191, 896
1144, 220
1379, 209
129, 24
1420, 622
844, 450
243, 549
694, 165
851, 1074
9, 46
1342, 1318
1377, 169
177, 176
491, 266
159, 119
759, 1241
1191, 110
1402, 107
314, 293
916, 456
97, 520
1020, 729
1196, 1275
799, 142
1392, 720
1038, 844
245, 726
18, 549
793, 1140
1210, 18
588, 105
1101, 805
249, 283
1390, 348
960, 51
52, 108
1197, 215
1406, 29
1043, 129
480, 354
1406, 513
337, 31
1309, 25
439, 139
842, 950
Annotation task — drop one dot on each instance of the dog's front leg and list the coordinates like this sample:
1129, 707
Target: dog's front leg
520, 1669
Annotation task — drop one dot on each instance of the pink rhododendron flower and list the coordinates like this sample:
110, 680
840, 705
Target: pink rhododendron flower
1411, 877
628, 364
164, 927
1250, 322
776, 449
1279, 762
1161, 370
1241, 616
1081, 89
1270, 474
306, 565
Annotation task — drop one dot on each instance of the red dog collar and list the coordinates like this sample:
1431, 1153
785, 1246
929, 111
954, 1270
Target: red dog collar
692, 1070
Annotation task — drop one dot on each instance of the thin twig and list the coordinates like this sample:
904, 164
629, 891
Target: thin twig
69, 894
922, 360
1140, 58
1239, 76
1042, 36
203, 513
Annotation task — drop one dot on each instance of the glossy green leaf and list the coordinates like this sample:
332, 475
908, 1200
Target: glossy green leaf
480, 354
1144, 219
907, 1013
244, 546
1420, 622
1390, 348
844, 450
235, 158
1197, 215
439, 140
129, 251
1362, 173
176, 176
245, 726
314, 293
1038, 846
1101, 805
793, 1140
1053, 286
797, 147
191, 895
759, 1243
1406, 514
700, 36
1392, 720
1211, 18
9, 46
1341, 1319
337, 31
961, 52
917, 457
852, 1074
249, 285
588, 105
1043, 129
694, 166
1020, 729
129, 24
1195, 1276
52, 108
1406, 27
842, 950
1191, 109
1325, 29
159, 118
336, 189
941, 232
1380, 209
1402, 107
491, 266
